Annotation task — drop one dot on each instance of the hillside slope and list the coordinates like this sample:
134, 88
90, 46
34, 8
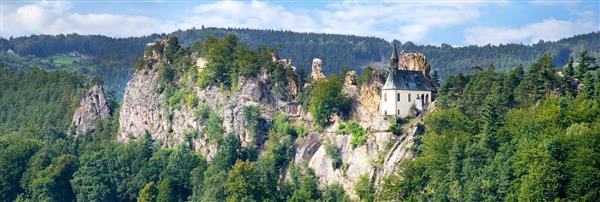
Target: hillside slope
111, 58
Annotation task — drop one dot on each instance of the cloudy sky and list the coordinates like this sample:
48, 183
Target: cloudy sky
457, 22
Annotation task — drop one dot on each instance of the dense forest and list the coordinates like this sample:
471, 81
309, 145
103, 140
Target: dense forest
112, 58
523, 135
530, 133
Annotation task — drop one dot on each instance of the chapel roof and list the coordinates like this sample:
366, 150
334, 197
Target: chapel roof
407, 80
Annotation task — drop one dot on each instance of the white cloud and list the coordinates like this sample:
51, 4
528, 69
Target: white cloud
405, 21
55, 17
550, 29
248, 15
398, 20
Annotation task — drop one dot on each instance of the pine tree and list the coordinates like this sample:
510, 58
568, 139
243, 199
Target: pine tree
435, 78
567, 80
588, 85
597, 86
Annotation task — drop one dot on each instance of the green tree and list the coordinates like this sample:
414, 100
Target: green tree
148, 193
588, 85
335, 193
327, 99
166, 190
567, 80
241, 184
364, 188
52, 183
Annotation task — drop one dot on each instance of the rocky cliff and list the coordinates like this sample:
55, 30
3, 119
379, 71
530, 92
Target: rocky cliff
144, 109
92, 107
414, 61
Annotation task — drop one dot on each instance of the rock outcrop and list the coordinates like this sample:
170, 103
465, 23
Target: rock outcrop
144, 109
92, 107
144, 106
317, 70
414, 61
377, 158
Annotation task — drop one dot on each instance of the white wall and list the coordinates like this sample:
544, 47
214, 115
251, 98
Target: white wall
402, 106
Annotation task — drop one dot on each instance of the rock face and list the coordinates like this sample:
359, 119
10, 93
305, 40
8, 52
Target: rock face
317, 70
144, 109
92, 107
414, 61
376, 158
365, 108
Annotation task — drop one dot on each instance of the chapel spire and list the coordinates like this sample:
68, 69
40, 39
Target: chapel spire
394, 57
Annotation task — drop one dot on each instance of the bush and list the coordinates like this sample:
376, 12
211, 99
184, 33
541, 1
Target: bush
396, 125
252, 119
214, 126
364, 188
191, 100
331, 151
203, 112
366, 75
165, 74
327, 99
359, 134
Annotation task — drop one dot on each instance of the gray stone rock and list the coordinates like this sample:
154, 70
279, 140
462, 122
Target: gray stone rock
92, 107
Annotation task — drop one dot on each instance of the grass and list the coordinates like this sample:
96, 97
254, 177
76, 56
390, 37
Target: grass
61, 59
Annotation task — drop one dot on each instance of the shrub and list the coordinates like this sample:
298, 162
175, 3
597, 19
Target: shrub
359, 134
396, 125
332, 153
165, 73
252, 119
364, 188
202, 112
366, 75
191, 100
327, 99
214, 126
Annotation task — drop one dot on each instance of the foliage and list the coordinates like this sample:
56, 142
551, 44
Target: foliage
112, 58
332, 153
214, 126
328, 99
148, 193
364, 188
227, 59
335, 193
358, 133
253, 120
528, 144
38, 98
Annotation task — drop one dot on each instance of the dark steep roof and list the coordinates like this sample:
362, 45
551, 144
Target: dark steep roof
407, 80
394, 57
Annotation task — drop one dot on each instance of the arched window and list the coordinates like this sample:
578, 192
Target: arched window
409, 97
385, 97
398, 97
427, 98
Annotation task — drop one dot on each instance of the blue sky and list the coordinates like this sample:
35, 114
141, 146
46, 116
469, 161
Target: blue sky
457, 22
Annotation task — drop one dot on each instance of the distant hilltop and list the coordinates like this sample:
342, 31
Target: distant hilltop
116, 56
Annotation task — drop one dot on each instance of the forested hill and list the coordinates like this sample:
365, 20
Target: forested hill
113, 58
